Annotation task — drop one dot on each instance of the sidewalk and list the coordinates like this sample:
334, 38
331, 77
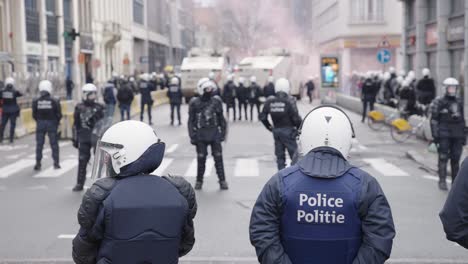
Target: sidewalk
428, 160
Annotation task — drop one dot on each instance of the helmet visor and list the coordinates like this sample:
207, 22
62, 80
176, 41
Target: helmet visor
452, 90
106, 160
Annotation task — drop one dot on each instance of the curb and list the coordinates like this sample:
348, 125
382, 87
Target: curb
418, 158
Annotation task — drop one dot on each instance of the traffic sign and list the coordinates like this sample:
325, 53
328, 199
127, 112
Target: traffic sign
384, 56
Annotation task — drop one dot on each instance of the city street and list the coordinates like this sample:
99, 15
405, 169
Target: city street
38, 219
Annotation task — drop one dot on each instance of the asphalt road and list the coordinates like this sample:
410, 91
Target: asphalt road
38, 210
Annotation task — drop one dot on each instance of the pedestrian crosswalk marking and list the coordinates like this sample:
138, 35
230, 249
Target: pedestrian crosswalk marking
66, 165
434, 178
66, 236
192, 170
385, 168
172, 148
246, 168
16, 167
162, 168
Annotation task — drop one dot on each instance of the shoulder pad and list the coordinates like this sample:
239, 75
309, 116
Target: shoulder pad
288, 171
92, 200
194, 100
185, 189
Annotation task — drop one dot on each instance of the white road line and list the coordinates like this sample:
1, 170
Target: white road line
66, 236
15, 156
162, 168
246, 168
66, 165
385, 168
434, 178
172, 148
64, 144
192, 169
38, 187
13, 168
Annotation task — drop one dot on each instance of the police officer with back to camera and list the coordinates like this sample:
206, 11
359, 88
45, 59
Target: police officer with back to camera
310, 88
10, 106
425, 88
207, 127
125, 98
110, 95
146, 87
368, 95
322, 209
242, 97
86, 116
129, 215
175, 98
254, 93
448, 129
286, 121
47, 112
269, 88
229, 95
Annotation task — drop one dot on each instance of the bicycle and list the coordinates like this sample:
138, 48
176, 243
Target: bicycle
377, 119
401, 130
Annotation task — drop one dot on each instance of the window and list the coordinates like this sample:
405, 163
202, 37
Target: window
410, 15
32, 21
367, 11
52, 25
457, 6
431, 10
138, 15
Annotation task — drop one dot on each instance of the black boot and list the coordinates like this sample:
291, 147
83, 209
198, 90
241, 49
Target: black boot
81, 178
443, 186
78, 187
57, 166
219, 166
38, 166
223, 185
198, 185
442, 170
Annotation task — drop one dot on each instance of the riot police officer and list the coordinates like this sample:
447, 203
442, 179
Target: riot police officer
146, 87
286, 121
310, 88
175, 98
86, 116
11, 108
269, 88
322, 209
242, 97
254, 92
47, 112
368, 95
448, 129
229, 95
425, 88
151, 217
207, 127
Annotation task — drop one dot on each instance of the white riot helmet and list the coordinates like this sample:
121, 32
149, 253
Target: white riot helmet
174, 81
118, 149
451, 86
146, 77
282, 85
426, 72
115, 75
400, 79
402, 73
211, 75
205, 85
230, 77
368, 75
411, 75
89, 92
131, 79
253, 79
326, 126
9, 81
387, 76
241, 80
391, 70
45, 86
271, 79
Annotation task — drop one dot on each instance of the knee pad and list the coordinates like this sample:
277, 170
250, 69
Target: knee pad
201, 156
443, 157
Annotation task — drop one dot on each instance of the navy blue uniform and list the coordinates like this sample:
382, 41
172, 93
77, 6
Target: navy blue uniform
286, 121
229, 97
86, 116
145, 90
207, 127
269, 90
10, 110
136, 217
242, 99
368, 96
310, 89
454, 215
322, 210
175, 98
125, 97
47, 112
448, 130
109, 97
425, 90
254, 92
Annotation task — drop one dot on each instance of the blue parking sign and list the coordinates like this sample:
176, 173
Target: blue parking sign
384, 56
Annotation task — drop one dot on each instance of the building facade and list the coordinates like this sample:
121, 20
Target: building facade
354, 31
434, 33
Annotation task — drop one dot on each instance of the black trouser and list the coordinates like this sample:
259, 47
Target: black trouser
449, 148
252, 104
366, 102
124, 109
177, 108
148, 106
230, 105
285, 139
48, 127
202, 153
242, 103
5, 117
310, 94
84, 154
